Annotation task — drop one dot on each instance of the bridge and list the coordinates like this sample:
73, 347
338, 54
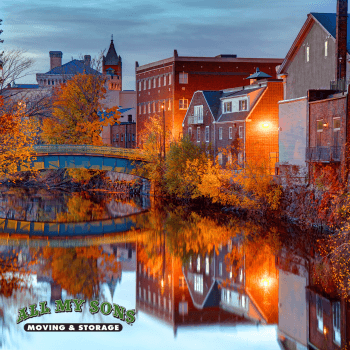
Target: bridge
55, 234
121, 160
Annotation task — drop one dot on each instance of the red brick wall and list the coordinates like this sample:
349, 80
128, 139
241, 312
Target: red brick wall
123, 129
260, 140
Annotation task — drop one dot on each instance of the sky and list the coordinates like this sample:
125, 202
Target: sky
150, 30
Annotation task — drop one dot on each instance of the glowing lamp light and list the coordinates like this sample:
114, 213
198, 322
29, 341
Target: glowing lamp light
265, 125
325, 331
265, 282
162, 283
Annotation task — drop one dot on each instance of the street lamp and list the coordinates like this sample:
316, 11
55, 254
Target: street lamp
163, 108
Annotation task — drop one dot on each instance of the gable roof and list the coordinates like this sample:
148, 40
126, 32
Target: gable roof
326, 20
73, 67
213, 101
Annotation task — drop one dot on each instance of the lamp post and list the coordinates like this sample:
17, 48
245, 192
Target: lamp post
163, 108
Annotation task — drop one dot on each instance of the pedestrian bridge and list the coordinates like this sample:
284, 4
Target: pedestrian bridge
121, 160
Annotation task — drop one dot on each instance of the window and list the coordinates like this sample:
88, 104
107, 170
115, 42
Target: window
154, 107
198, 112
154, 82
240, 158
183, 78
169, 79
133, 137
140, 109
183, 308
319, 313
207, 134
336, 131
336, 323
198, 263
164, 80
220, 268
140, 85
230, 132
169, 105
144, 294
145, 84
220, 133
243, 105
144, 109
207, 265
220, 158
164, 303
198, 134
229, 158
183, 103
154, 299
190, 264
117, 137
227, 107
149, 107
319, 132
240, 132
140, 292
326, 48
182, 282
307, 53
149, 83
159, 81
130, 118
149, 296
122, 137
198, 283
190, 132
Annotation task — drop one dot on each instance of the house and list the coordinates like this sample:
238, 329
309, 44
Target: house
317, 59
243, 120
173, 81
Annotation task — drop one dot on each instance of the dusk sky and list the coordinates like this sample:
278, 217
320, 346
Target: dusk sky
150, 30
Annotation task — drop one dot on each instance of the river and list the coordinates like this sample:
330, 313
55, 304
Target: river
196, 280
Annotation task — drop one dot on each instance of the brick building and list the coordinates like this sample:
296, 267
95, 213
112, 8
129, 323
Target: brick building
243, 120
174, 80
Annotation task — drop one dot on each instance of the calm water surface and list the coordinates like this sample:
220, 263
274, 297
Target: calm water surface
196, 281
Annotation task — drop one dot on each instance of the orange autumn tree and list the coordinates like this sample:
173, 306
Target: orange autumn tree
78, 113
18, 134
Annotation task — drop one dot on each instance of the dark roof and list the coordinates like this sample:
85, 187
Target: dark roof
232, 117
259, 75
240, 92
328, 21
213, 100
123, 110
73, 67
111, 58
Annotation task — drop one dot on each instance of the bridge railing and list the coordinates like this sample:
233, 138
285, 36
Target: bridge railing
88, 149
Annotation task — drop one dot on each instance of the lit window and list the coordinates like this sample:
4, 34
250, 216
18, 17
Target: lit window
169, 106
326, 48
230, 132
183, 103
140, 85
183, 78
307, 53
243, 105
169, 79
198, 263
190, 264
207, 134
198, 283
182, 282
336, 124
220, 268
227, 107
198, 134
164, 80
207, 265
336, 323
319, 313
220, 158
220, 133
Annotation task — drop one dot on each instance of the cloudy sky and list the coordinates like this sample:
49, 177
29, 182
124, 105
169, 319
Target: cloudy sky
150, 30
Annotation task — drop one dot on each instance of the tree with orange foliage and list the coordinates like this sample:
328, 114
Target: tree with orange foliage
78, 113
18, 134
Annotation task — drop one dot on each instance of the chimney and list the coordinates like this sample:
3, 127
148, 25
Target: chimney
55, 59
341, 39
87, 60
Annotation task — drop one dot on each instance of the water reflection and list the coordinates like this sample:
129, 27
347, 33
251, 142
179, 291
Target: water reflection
189, 270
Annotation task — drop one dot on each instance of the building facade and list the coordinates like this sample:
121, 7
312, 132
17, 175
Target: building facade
174, 80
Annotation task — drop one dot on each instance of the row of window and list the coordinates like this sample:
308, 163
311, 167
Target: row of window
116, 137
157, 106
154, 82
307, 51
234, 298
162, 302
207, 133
